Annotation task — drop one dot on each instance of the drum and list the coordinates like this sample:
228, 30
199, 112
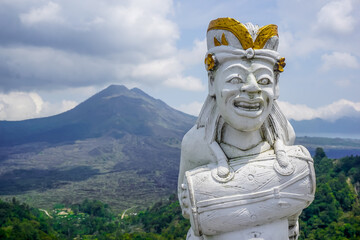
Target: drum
253, 195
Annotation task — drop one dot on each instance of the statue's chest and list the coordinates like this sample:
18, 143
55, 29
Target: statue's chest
254, 177
251, 176
254, 194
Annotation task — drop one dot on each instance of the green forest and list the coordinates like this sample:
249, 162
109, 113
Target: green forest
334, 214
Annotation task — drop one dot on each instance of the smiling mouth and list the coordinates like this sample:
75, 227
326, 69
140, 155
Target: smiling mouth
247, 106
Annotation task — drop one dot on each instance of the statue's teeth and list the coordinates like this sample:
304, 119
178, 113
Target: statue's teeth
248, 106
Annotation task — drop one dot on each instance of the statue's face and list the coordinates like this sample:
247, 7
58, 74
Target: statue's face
245, 92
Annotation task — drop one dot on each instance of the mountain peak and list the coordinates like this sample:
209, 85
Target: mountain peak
139, 91
113, 89
115, 111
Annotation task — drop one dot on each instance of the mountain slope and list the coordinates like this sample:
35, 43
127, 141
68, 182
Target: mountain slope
120, 146
114, 112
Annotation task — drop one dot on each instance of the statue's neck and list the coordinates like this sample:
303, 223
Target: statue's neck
240, 139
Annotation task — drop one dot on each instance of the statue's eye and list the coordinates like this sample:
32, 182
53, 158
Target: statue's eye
235, 80
264, 81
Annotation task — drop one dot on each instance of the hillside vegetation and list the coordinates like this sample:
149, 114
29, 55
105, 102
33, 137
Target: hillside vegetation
334, 214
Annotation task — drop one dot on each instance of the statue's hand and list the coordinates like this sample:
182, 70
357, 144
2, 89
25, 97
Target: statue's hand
223, 170
294, 231
184, 201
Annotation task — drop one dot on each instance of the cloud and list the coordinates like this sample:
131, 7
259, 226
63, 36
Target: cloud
157, 69
24, 105
66, 105
194, 56
191, 108
338, 60
331, 112
126, 42
186, 83
292, 44
50, 13
28, 68
171, 69
343, 83
326, 26
336, 17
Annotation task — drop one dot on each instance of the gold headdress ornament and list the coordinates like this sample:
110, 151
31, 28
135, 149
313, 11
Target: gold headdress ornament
241, 32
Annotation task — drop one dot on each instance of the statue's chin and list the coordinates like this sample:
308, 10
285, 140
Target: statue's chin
245, 124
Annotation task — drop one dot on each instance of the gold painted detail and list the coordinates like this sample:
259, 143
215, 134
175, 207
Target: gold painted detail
210, 62
241, 33
223, 41
279, 66
216, 42
234, 26
264, 34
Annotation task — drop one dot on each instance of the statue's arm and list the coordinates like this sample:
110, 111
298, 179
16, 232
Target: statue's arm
294, 220
185, 165
194, 153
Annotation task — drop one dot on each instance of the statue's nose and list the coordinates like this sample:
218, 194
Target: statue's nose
251, 86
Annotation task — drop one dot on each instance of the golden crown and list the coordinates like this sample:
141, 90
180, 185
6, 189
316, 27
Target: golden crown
247, 42
242, 34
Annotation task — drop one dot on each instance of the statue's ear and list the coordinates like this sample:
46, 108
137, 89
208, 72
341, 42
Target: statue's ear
276, 91
276, 88
211, 85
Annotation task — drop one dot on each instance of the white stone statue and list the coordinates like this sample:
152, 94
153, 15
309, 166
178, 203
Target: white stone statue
240, 176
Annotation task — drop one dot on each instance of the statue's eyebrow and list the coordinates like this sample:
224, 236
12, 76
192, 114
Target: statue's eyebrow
262, 67
257, 67
237, 66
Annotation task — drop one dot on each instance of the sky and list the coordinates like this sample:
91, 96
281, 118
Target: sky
56, 54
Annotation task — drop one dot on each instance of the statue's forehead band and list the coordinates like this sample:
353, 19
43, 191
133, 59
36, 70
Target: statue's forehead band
225, 53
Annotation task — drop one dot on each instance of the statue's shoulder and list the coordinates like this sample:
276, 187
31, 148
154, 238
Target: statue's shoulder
194, 135
194, 146
298, 150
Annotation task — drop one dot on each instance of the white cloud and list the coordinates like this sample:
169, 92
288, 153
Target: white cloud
186, 83
50, 13
143, 25
19, 105
331, 112
194, 56
343, 83
130, 41
66, 105
169, 71
25, 105
191, 108
336, 17
292, 44
326, 26
159, 68
34, 67
339, 60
